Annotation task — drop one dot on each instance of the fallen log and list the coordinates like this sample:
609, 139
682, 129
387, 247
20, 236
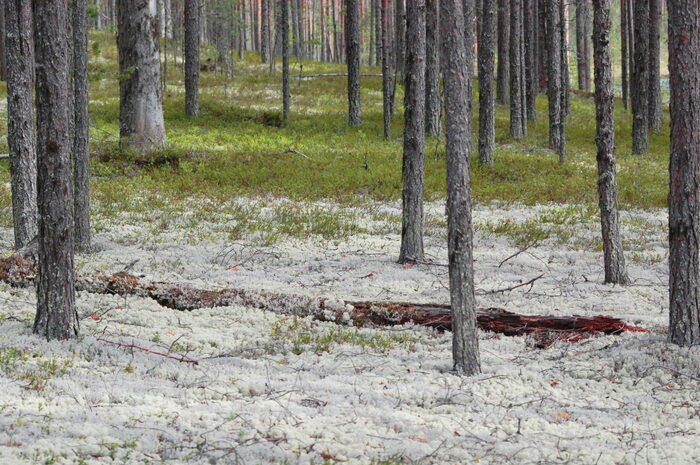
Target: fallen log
545, 329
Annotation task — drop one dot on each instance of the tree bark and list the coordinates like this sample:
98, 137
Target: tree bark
655, 112
81, 140
192, 38
141, 125
487, 117
555, 78
265, 26
56, 316
21, 136
465, 343
583, 53
624, 39
286, 93
517, 125
530, 59
432, 70
615, 270
503, 70
640, 79
352, 44
387, 77
684, 197
414, 135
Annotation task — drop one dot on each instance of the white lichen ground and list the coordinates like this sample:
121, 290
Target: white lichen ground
274, 389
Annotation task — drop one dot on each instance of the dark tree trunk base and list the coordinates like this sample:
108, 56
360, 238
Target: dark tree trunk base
544, 329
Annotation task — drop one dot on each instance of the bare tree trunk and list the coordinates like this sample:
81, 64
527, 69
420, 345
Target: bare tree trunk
432, 69
655, 112
286, 94
81, 151
465, 343
352, 43
503, 73
414, 135
376, 4
21, 137
624, 39
487, 117
582, 50
400, 41
192, 58
56, 316
684, 198
265, 41
141, 125
555, 79
387, 77
615, 270
516, 71
640, 79
530, 59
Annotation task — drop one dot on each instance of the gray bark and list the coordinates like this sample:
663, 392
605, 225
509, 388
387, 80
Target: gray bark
432, 70
414, 135
141, 124
640, 79
503, 70
465, 343
265, 31
615, 270
387, 77
517, 125
684, 198
352, 50
487, 117
624, 39
192, 38
377, 8
286, 94
530, 59
400, 41
21, 137
655, 112
81, 138
583, 53
556, 113
56, 316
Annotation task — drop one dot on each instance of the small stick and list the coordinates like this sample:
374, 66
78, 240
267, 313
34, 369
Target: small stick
532, 281
134, 346
296, 152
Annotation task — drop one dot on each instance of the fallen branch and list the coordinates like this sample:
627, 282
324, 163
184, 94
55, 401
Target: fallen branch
544, 328
296, 152
512, 288
145, 349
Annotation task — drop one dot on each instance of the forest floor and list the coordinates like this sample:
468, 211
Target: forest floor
231, 203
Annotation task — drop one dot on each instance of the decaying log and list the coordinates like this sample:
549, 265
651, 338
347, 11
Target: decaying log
544, 329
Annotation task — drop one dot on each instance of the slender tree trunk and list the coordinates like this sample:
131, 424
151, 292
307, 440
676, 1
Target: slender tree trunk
503, 72
516, 71
56, 316
352, 42
487, 117
615, 270
624, 39
81, 151
21, 136
192, 58
582, 50
141, 125
265, 26
414, 135
640, 79
387, 78
376, 4
465, 343
432, 69
400, 41
286, 95
543, 45
530, 59
684, 198
555, 79
655, 112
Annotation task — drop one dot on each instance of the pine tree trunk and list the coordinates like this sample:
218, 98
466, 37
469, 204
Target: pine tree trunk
376, 5
352, 42
516, 71
387, 78
400, 41
554, 77
684, 198
192, 58
503, 70
414, 135
141, 125
487, 117
624, 39
530, 59
655, 112
81, 151
286, 94
465, 344
265, 31
640, 79
432, 69
582, 51
21, 136
615, 270
56, 316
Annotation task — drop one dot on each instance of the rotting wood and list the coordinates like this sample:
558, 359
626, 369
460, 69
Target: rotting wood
544, 329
